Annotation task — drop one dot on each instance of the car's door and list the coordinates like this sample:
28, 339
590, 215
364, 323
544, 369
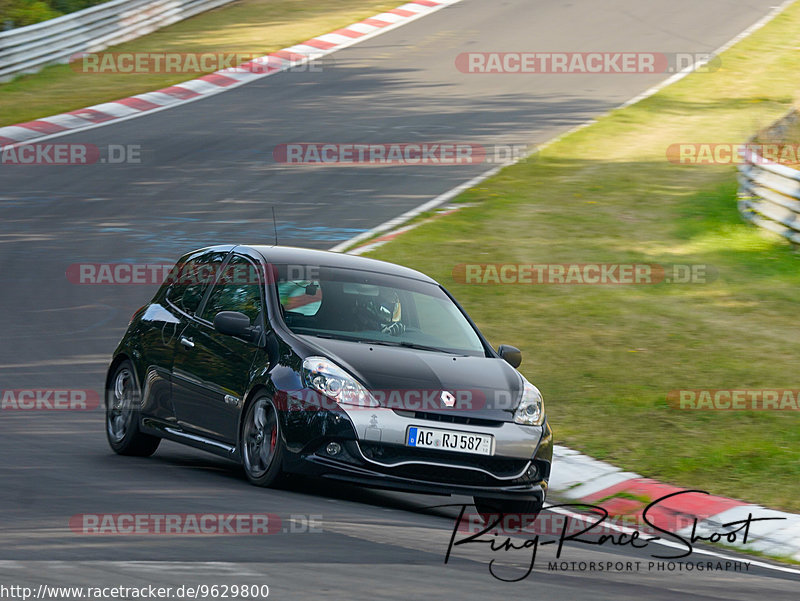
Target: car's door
211, 370
163, 323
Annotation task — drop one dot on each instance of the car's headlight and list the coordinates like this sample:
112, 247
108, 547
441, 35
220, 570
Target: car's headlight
326, 377
531, 408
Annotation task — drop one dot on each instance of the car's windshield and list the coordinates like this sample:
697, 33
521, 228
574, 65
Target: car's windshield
364, 306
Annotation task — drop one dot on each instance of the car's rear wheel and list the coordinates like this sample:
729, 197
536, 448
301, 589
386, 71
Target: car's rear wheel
492, 509
261, 443
122, 420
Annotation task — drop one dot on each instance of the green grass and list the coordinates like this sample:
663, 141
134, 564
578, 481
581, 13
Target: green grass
605, 357
246, 27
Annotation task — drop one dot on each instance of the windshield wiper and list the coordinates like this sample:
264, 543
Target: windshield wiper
332, 336
401, 343
405, 344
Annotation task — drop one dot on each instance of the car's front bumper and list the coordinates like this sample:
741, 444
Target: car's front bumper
374, 454
327, 468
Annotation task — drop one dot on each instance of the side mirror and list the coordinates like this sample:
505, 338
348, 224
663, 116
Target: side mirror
233, 323
511, 354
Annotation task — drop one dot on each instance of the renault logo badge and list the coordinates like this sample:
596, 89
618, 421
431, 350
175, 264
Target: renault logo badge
448, 399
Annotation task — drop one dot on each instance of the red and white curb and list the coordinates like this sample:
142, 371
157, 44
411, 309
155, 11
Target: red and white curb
220, 81
578, 477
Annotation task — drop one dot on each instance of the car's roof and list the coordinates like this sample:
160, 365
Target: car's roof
324, 258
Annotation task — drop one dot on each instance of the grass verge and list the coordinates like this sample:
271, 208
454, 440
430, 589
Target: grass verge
606, 356
246, 27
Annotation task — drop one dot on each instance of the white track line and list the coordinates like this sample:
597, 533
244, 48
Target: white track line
442, 198
431, 204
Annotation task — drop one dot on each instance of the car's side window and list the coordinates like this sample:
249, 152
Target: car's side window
238, 289
190, 279
300, 296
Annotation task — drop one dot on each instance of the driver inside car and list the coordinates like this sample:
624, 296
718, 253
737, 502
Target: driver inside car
382, 312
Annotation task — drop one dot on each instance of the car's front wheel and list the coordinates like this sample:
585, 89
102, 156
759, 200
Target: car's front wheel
261, 443
122, 420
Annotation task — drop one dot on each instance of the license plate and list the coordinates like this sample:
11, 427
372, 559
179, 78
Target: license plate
450, 440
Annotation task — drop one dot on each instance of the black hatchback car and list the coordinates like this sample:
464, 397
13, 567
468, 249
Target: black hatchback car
291, 360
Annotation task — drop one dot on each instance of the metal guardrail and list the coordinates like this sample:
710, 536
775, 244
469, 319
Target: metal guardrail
769, 196
28, 49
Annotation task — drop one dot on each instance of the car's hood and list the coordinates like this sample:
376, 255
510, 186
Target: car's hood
410, 379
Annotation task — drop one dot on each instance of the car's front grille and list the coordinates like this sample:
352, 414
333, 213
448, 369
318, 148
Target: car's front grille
391, 455
450, 418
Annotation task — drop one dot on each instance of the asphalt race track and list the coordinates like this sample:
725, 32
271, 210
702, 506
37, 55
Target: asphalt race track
208, 176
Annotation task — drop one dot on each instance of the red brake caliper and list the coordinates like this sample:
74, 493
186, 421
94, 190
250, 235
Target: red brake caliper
274, 438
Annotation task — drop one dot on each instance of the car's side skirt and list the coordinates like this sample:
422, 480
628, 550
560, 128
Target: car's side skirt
174, 433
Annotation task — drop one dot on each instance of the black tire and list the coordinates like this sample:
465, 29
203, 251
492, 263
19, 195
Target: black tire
261, 443
123, 400
491, 509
